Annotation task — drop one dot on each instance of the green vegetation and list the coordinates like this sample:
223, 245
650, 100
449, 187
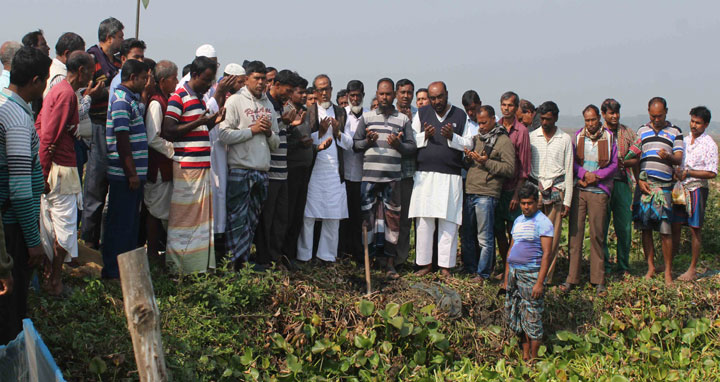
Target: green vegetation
317, 325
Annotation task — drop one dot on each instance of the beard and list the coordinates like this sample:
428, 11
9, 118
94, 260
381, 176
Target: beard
326, 105
356, 109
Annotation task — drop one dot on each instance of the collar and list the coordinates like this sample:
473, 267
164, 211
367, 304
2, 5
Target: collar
513, 127
394, 112
13, 97
449, 106
276, 105
132, 95
539, 133
58, 63
190, 91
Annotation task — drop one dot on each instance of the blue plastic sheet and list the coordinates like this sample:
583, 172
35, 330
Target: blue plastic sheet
26, 358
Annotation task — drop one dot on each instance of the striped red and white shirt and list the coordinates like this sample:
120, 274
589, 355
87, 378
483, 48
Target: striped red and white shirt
193, 149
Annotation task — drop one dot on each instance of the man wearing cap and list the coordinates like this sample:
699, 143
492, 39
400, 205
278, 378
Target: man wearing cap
231, 82
205, 50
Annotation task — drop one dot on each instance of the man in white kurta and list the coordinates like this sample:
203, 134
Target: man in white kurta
327, 197
437, 193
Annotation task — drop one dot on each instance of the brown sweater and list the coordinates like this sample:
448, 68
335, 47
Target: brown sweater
488, 179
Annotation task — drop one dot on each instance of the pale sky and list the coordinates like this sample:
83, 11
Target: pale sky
571, 52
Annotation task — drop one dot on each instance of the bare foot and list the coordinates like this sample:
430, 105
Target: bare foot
478, 279
690, 275
650, 274
668, 279
499, 276
424, 270
445, 272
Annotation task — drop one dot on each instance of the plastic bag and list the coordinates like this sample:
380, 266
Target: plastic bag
678, 194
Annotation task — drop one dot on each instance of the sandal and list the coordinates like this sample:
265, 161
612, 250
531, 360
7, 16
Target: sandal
566, 287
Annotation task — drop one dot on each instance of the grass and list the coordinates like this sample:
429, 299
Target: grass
317, 325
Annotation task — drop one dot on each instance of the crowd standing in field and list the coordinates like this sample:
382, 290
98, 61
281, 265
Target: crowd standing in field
107, 146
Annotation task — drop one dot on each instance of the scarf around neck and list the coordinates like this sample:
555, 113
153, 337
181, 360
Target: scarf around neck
490, 138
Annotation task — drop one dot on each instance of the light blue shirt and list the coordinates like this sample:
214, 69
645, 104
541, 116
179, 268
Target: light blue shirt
114, 83
5, 79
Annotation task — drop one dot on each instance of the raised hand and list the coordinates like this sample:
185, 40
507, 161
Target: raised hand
371, 137
394, 139
289, 117
325, 144
299, 118
429, 130
94, 91
472, 155
324, 125
447, 131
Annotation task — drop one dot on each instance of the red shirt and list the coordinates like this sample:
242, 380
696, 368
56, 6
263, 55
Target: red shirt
520, 138
56, 124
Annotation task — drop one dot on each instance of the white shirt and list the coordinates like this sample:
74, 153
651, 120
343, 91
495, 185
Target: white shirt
438, 195
353, 161
551, 159
153, 125
458, 142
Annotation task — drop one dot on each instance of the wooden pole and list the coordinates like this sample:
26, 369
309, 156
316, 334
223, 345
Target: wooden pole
143, 315
137, 21
367, 260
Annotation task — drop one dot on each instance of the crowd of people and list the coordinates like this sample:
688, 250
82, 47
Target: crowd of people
107, 146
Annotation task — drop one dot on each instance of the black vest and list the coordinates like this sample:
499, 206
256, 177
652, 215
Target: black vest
437, 156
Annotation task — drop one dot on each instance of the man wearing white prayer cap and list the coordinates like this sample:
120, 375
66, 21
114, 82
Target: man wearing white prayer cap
232, 80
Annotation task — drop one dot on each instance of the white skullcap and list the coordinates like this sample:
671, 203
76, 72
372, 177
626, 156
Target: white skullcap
234, 70
206, 50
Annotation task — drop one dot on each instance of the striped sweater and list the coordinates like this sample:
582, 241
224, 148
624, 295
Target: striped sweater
382, 162
125, 114
193, 149
21, 177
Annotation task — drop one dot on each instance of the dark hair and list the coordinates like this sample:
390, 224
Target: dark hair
319, 76
201, 64
404, 82
701, 112
341, 93
610, 104
79, 59
510, 94
285, 77
385, 79
186, 69
301, 82
108, 28
69, 41
527, 106
256, 67
421, 90
310, 89
271, 69
593, 108
527, 191
657, 99
150, 63
32, 39
131, 67
549, 107
355, 85
131, 43
28, 63
470, 97
488, 109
